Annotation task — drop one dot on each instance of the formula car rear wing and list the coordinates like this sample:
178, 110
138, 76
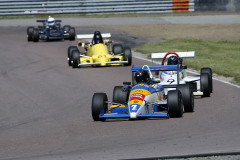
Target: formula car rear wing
156, 68
57, 21
181, 54
90, 36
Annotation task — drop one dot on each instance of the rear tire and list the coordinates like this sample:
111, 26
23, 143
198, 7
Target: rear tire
99, 105
208, 71
70, 50
175, 104
75, 58
205, 84
187, 96
66, 28
72, 34
30, 33
119, 96
128, 56
35, 36
117, 49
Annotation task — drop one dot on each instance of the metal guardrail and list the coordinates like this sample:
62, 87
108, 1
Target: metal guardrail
31, 7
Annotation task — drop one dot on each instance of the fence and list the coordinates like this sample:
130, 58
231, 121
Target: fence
31, 7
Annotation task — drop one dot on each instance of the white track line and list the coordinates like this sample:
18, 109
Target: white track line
148, 60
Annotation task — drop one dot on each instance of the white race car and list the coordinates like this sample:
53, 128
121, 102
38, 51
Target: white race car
202, 84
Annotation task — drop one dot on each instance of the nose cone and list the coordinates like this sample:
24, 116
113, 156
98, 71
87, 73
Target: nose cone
133, 115
103, 61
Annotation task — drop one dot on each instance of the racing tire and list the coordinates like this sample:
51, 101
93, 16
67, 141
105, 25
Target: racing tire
72, 34
30, 33
187, 96
35, 36
75, 58
117, 49
99, 105
119, 96
205, 84
128, 56
70, 50
208, 71
175, 104
66, 28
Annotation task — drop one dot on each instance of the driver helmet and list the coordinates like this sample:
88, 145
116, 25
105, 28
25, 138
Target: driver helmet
51, 21
172, 60
142, 76
97, 38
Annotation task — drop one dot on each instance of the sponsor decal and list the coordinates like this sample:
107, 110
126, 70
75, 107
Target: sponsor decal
171, 72
54, 34
137, 96
140, 91
116, 106
141, 84
136, 101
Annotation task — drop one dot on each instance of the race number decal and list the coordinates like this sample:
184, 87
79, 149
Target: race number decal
134, 107
170, 81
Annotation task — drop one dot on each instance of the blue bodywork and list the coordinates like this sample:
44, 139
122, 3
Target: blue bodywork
123, 111
51, 32
54, 33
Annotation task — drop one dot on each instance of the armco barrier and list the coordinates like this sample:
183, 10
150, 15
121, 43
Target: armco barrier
31, 7
217, 5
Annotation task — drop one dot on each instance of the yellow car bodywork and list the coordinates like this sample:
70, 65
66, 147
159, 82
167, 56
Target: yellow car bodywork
99, 55
102, 53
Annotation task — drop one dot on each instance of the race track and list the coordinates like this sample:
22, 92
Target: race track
45, 111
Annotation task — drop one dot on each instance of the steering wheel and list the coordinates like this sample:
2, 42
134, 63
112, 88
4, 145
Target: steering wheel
167, 55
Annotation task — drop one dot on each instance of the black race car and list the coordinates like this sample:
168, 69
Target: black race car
50, 32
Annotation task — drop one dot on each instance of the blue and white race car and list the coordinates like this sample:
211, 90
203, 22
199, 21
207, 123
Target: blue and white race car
144, 98
202, 83
50, 30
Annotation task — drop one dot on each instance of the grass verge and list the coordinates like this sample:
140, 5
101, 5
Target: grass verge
223, 56
216, 45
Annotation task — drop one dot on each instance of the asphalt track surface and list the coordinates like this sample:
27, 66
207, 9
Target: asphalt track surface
45, 111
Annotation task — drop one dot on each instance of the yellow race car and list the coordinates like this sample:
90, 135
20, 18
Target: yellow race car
97, 50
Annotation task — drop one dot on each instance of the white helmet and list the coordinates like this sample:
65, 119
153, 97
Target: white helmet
51, 21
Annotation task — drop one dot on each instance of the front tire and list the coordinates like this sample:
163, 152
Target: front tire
75, 58
99, 105
70, 50
175, 104
35, 36
66, 28
187, 96
30, 33
119, 96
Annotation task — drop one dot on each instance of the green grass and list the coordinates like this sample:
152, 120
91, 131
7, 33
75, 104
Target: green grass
223, 57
